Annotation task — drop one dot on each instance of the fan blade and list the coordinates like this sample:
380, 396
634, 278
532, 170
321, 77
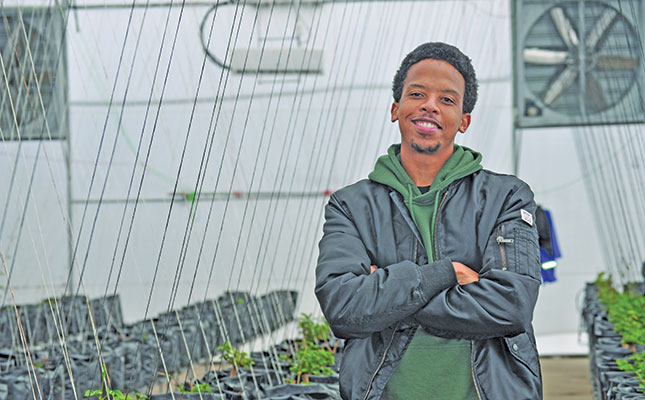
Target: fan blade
601, 26
564, 27
559, 85
594, 93
616, 63
545, 57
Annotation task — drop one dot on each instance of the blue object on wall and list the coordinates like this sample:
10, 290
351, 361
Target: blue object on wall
549, 246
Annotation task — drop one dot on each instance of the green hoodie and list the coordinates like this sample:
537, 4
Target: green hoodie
441, 366
423, 207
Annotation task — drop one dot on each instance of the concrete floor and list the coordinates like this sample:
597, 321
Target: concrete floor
566, 378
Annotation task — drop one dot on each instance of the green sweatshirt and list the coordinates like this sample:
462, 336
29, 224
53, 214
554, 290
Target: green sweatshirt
432, 367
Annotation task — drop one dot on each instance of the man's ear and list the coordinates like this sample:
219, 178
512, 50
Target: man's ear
465, 122
395, 111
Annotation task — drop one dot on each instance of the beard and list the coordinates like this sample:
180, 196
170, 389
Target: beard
425, 150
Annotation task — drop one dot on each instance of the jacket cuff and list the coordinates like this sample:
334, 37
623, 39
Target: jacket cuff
436, 277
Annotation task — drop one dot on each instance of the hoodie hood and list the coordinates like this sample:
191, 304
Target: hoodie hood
389, 171
423, 207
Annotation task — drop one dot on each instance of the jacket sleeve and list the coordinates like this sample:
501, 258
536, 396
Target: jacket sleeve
357, 303
501, 303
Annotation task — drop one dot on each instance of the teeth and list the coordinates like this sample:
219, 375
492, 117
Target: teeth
426, 124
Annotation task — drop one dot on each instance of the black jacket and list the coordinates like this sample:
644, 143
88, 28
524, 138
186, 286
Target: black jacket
480, 223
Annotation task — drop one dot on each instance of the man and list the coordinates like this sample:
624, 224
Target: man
430, 269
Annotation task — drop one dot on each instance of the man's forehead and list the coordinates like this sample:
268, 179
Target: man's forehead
430, 63
435, 60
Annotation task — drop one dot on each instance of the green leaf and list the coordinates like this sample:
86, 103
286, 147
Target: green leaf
238, 359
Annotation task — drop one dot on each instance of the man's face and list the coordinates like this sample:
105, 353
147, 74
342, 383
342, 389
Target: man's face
430, 109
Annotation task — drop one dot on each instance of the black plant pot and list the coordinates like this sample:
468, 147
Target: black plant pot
605, 347
314, 390
188, 396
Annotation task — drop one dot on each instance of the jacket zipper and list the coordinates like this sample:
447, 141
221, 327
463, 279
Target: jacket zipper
472, 370
389, 344
436, 218
416, 250
403, 210
472, 363
501, 242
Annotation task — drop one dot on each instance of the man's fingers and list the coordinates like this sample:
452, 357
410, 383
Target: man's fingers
465, 275
373, 268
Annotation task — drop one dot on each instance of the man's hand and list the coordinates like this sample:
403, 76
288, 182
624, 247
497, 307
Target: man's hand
465, 275
373, 268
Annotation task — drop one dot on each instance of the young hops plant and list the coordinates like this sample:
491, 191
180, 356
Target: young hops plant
312, 330
315, 331
310, 358
233, 356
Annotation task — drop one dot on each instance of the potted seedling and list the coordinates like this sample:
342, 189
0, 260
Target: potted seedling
311, 360
312, 355
238, 359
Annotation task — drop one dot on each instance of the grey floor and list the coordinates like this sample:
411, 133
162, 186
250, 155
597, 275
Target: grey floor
566, 378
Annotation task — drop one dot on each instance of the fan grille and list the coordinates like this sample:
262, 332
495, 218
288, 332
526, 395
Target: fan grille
578, 60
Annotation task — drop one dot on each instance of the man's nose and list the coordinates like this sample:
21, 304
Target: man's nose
430, 106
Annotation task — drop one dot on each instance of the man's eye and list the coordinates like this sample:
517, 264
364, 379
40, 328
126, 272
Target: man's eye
415, 94
448, 100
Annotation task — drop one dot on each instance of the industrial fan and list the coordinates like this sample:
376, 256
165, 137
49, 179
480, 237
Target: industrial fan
33, 76
578, 62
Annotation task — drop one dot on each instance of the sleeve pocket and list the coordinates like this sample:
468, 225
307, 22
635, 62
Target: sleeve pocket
517, 249
526, 252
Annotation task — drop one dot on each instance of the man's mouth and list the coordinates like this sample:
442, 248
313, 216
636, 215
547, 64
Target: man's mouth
426, 126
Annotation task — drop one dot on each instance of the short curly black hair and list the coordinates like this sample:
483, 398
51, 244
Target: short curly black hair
443, 52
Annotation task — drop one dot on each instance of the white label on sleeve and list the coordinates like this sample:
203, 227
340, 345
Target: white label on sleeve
526, 217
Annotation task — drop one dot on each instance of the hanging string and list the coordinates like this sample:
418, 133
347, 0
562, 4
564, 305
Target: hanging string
32, 71
191, 220
116, 139
261, 330
172, 202
292, 121
239, 237
298, 235
199, 183
365, 130
28, 41
93, 175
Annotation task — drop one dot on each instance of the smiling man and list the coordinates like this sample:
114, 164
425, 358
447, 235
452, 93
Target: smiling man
430, 268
